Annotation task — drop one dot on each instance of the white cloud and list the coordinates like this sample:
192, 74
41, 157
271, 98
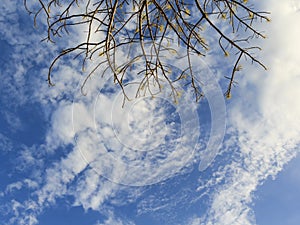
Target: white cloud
23, 51
22, 213
194, 221
266, 116
13, 121
59, 176
61, 132
12, 186
112, 220
6, 144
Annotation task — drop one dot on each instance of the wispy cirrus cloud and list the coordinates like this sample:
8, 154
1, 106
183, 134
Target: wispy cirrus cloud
266, 117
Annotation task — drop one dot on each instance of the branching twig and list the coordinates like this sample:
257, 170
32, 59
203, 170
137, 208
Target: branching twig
154, 24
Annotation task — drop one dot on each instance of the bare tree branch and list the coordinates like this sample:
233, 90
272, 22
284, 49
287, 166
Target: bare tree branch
148, 27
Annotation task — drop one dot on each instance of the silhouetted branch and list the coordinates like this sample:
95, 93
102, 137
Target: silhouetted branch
146, 28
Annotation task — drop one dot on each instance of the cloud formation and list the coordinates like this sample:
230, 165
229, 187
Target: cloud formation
266, 117
103, 149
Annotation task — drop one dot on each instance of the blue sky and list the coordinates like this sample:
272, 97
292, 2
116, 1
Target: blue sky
55, 168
